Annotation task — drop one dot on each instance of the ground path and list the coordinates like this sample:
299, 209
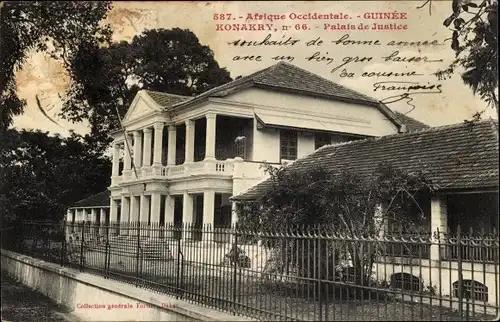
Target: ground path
20, 303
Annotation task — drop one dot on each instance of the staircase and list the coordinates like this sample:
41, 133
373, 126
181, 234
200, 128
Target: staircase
125, 245
156, 251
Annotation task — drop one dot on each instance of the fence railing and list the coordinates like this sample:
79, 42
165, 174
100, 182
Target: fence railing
300, 273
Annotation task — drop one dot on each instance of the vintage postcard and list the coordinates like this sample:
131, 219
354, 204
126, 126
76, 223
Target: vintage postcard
249, 160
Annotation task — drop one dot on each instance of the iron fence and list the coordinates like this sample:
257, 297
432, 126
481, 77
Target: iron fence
300, 273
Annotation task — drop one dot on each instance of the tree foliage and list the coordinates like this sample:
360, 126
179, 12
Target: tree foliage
42, 175
56, 27
346, 202
474, 40
106, 79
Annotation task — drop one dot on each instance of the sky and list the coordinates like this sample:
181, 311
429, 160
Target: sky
46, 78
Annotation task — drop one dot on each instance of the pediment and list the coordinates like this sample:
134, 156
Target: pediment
140, 107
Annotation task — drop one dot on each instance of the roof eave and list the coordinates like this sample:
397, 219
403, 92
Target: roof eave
206, 95
307, 93
392, 117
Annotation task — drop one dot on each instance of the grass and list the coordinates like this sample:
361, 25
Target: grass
20, 303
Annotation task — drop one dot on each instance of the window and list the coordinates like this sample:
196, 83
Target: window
321, 139
472, 290
288, 145
406, 282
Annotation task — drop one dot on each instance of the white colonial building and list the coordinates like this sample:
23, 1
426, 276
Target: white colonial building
179, 159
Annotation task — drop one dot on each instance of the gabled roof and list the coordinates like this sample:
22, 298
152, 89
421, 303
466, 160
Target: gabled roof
290, 77
411, 124
100, 199
165, 99
280, 77
459, 156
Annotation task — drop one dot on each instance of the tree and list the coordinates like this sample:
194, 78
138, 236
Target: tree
347, 203
42, 175
30, 26
106, 79
475, 42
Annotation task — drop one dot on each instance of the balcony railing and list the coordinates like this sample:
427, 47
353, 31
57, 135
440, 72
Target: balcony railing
225, 167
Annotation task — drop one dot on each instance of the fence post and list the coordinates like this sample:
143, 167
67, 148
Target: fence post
63, 245
460, 288
235, 270
320, 297
137, 254
82, 241
107, 253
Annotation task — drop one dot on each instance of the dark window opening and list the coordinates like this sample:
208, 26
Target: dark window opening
322, 139
288, 145
472, 290
180, 144
178, 209
162, 210
406, 282
200, 132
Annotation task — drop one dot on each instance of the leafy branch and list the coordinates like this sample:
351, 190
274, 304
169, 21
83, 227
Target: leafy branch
475, 43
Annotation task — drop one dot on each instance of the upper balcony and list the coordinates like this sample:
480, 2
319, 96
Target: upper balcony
205, 167
210, 145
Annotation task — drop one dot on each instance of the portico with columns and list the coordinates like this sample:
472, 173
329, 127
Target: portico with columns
145, 156
94, 209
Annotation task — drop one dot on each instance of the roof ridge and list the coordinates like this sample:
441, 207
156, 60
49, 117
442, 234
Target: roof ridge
232, 83
384, 137
92, 195
326, 79
165, 93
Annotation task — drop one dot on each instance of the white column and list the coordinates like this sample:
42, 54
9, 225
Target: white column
134, 209
158, 144
439, 221
155, 207
125, 216
113, 215
127, 150
137, 149
144, 212
78, 220
172, 137
169, 215
80, 214
146, 156
208, 207
116, 160
210, 136
189, 141
187, 213
94, 230
235, 207
234, 213
69, 219
103, 221
169, 210
208, 215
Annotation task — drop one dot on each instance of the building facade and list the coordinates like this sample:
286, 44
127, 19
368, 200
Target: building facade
179, 159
